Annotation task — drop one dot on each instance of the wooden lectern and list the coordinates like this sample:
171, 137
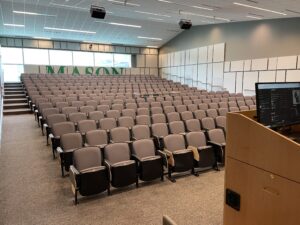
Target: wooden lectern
262, 174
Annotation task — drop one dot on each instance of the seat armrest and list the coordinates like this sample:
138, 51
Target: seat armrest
107, 165
45, 125
86, 145
135, 157
73, 176
51, 136
164, 157
214, 143
59, 150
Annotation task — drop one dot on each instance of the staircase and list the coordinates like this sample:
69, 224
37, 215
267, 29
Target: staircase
15, 101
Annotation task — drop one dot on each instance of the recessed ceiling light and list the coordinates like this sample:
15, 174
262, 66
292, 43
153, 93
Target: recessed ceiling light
13, 25
31, 13
153, 18
254, 17
45, 38
150, 38
125, 25
164, 1
154, 14
205, 16
200, 7
74, 7
258, 8
151, 46
124, 3
70, 30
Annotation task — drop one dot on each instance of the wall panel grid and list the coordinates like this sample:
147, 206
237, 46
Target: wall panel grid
198, 67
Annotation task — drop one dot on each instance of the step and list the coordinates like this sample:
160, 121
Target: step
14, 96
13, 92
13, 89
15, 106
15, 100
13, 85
16, 111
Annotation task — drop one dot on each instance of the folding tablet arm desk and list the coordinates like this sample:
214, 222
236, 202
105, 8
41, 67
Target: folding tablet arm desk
262, 174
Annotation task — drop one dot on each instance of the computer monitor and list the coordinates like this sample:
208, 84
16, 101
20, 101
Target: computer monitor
278, 104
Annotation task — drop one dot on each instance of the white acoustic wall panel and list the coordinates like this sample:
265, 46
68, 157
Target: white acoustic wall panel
229, 82
209, 76
267, 76
237, 66
239, 82
260, 64
151, 61
182, 58
135, 71
194, 56
181, 75
218, 74
153, 51
195, 72
250, 78
227, 67
145, 51
202, 73
247, 65
188, 72
272, 63
140, 60
210, 54
202, 55
287, 62
280, 75
219, 52
187, 57
292, 75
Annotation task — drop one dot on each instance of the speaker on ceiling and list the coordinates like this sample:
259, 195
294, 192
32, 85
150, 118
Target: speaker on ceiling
97, 12
185, 24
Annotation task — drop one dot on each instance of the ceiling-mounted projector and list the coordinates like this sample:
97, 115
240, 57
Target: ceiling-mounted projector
97, 12
185, 24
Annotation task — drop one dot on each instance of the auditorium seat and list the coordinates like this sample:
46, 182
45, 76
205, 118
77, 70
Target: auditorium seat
96, 138
141, 132
120, 135
217, 139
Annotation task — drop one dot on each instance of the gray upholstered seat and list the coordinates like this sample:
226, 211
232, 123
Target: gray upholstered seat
96, 138
140, 132
120, 135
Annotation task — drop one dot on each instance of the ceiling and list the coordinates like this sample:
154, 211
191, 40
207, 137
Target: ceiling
157, 18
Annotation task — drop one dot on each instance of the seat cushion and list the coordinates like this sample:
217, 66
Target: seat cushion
93, 169
182, 151
149, 158
123, 163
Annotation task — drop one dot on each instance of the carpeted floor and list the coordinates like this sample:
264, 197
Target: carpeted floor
32, 192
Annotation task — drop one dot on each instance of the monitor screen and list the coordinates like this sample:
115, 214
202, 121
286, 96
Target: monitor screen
278, 104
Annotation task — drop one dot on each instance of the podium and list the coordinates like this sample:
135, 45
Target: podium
262, 174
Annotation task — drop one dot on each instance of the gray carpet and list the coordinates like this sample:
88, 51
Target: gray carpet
33, 192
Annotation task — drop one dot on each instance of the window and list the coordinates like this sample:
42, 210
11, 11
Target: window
60, 58
36, 56
104, 59
12, 55
122, 60
83, 58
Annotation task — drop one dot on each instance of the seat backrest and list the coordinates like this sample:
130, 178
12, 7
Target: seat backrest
113, 114
116, 152
159, 129
143, 148
63, 128
181, 108
77, 103
221, 121
96, 115
75, 117
232, 104
234, 109
49, 111
223, 111
86, 125
200, 114
173, 116
187, 115
55, 118
96, 137
192, 107
71, 141
143, 120
108, 123
126, 121
223, 105
120, 134
87, 109
244, 108
61, 105
213, 113
68, 110
156, 110
208, 123
87, 157
177, 127
159, 118
143, 111
169, 109
174, 142
93, 103
196, 139
141, 132
155, 104
118, 107
103, 108
203, 106
216, 135
193, 125
128, 112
